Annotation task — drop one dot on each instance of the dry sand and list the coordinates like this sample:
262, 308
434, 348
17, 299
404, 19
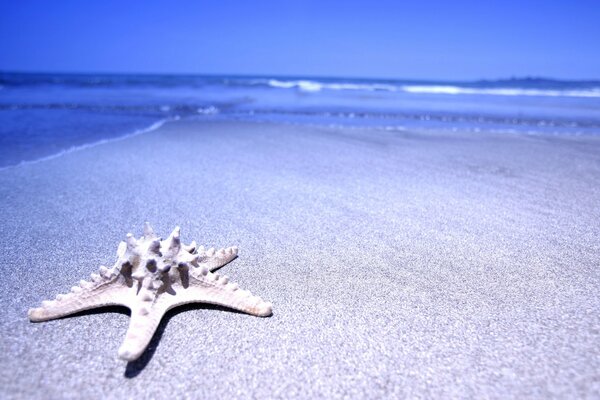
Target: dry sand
399, 264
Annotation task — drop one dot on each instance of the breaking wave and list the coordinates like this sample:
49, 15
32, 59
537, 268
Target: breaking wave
317, 86
593, 92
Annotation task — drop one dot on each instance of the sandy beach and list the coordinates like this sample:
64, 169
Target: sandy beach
399, 263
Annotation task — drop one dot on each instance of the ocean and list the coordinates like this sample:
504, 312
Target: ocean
45, 115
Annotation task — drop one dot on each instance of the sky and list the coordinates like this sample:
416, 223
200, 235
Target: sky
453, 40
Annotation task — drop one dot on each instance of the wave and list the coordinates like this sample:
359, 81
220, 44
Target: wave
73, 149
502, 87
432, 89
316, 86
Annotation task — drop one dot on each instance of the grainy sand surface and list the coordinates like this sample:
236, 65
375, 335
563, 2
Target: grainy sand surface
399, 264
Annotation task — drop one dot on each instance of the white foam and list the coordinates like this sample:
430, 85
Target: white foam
308, 86
314, 86
594, 92
73, 149
210, 110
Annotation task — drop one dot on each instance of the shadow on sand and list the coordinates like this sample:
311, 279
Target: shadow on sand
134, 368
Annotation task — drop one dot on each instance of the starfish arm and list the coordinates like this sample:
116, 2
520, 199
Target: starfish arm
202, 286
102, 291
213, 260
142, 326
207, 287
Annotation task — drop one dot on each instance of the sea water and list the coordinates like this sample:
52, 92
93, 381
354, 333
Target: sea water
46, 115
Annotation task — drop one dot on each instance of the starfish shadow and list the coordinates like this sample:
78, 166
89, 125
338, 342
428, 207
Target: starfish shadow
95, 311
134, 368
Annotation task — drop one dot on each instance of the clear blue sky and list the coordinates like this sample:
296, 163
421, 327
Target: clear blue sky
445, 39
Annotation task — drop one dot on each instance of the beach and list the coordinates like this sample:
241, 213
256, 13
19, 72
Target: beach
400, 263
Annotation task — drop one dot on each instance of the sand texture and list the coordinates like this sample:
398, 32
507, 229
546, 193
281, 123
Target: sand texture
399, 264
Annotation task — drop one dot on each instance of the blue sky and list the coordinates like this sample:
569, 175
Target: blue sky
420, 39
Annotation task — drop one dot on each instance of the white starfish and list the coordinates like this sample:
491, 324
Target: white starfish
150, 277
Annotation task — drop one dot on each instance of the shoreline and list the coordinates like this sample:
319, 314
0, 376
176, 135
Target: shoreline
398, 264
156, 125
510, 132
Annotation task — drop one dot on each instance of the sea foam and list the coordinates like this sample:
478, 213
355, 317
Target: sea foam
431, 89
317, 86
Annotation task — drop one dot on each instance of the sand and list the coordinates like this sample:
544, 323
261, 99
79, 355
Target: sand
400, 264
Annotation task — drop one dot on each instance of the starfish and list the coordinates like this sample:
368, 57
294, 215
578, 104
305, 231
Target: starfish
150, 277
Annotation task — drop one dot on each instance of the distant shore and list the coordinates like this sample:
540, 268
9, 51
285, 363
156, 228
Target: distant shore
399, 263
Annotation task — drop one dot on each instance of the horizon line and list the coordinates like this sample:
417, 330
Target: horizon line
296, 76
